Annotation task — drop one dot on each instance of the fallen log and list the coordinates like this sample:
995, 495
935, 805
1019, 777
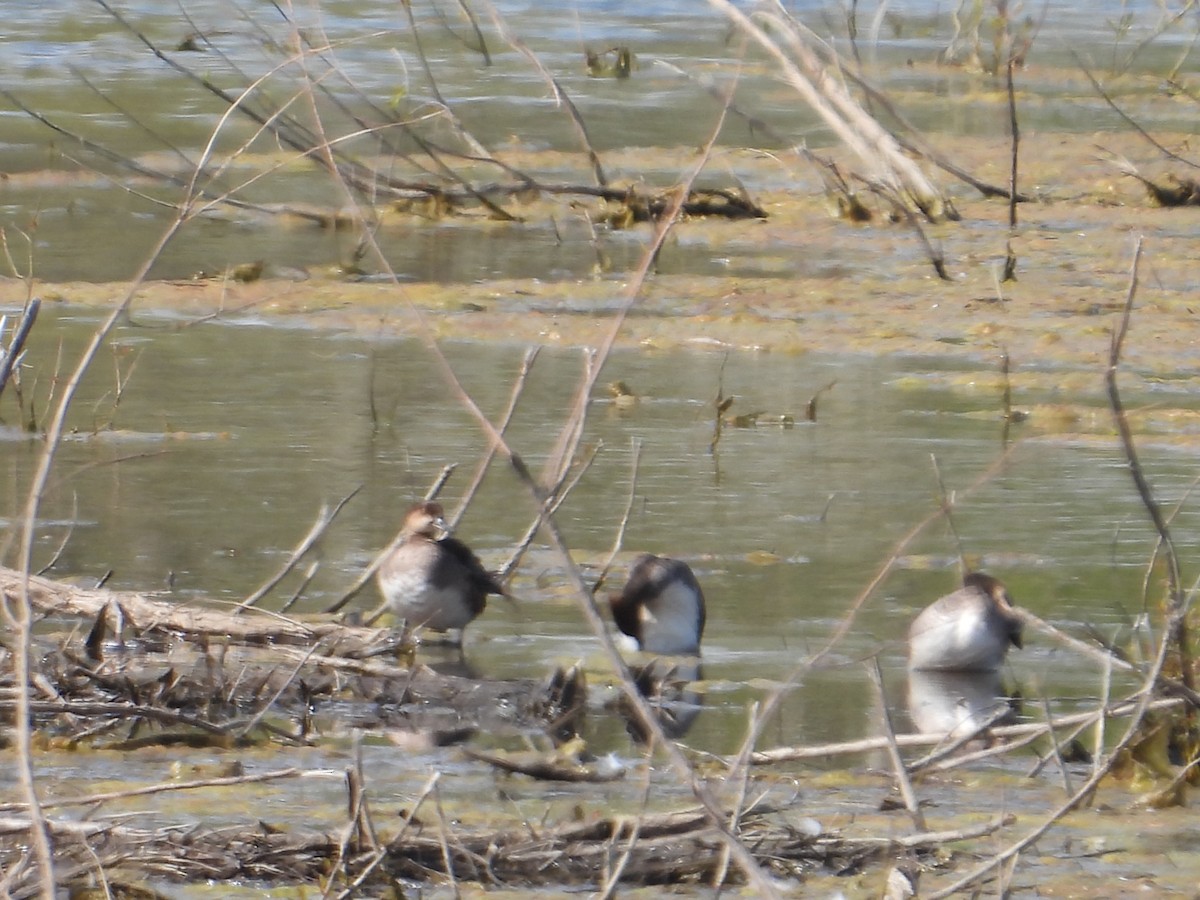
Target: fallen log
145, 612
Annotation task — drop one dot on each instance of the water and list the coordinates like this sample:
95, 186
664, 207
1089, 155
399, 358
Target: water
93, 78
230, 437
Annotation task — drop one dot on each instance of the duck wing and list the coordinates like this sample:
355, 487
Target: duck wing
480, 578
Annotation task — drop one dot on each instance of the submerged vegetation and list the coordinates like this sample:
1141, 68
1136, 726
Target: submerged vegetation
113, 679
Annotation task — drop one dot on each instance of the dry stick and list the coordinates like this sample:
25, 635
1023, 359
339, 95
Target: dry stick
946, 501
455, 122
745, 860
290, 132
19, 619
572, 112
18, 614
1085, 790
941, 753
382, 852
1054, 748
364, 823
62, 545
914, 142
98, 708
257, 717
1128, 120
470, 16
1097, 653
1005, 396
1177, 627
324, 519
447, 858
128, 116
871, 745
432, 150
832, 102
903, 782
97, 867
161, 788
994, 750
1164, 25
11, 353
720, 404
1148, 573
354, 797
619, 539
132, 165
369, 572
558, 496
609, 889
738, 805
1106, 691
309, 574
936, 255
1059, 743
527, 361
295, 136
1010, 258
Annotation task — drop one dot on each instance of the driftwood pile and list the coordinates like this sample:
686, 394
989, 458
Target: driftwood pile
137, 671
150, 664
679, 847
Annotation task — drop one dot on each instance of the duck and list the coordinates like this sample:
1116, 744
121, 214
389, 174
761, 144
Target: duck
431, 579
969, 630
661, 607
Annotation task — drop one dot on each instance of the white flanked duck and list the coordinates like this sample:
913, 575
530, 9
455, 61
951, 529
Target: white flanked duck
433, 580
661, 607
969, 630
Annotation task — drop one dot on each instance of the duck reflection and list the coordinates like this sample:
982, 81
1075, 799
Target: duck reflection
665, 685
957, 704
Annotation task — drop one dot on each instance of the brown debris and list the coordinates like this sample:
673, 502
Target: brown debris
671, 848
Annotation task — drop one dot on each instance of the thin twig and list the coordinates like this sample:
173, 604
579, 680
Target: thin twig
1177, 626
619, 538
946, 500
609, 889
518, 388
903, 782
1010, 258
1119, 709
324, 519
163, 787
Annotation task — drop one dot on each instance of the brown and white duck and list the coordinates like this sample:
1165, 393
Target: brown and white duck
969, 630
661, 607
433, 580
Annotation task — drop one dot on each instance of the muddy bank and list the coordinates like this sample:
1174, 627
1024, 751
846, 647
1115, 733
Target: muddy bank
860, 289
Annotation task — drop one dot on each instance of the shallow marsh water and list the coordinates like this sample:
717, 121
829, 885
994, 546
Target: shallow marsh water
230, 437
231, 434
77, 214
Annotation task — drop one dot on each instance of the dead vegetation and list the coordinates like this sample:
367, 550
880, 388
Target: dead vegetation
93, 669
148, 674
